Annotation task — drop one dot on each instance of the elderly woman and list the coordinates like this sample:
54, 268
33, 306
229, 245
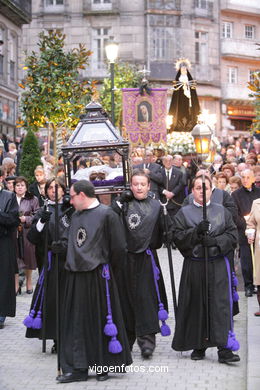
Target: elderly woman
28, 205
253, 237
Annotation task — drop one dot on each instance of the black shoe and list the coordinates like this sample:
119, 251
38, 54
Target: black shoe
102, 377
54, 348
248, 292
2, 325
29, 291
227, 356
73, 377
146, 353
197, 354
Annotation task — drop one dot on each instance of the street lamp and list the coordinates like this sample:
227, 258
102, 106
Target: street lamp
111, 53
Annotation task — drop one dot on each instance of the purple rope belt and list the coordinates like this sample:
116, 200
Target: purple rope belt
162, 313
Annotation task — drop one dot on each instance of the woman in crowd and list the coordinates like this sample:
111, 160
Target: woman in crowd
254, 223
222, 181
28, 205
235, 183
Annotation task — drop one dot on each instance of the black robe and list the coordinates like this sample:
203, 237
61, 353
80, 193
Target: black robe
190, 331
38, 239
143, 229
95, 238
9, 220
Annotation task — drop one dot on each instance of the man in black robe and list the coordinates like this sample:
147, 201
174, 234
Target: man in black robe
191, 235
9, 220
141, 304
95, 251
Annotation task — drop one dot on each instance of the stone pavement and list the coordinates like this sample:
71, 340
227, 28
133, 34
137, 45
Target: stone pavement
24, 367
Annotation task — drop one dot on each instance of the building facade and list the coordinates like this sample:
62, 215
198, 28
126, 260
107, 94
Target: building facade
156, 33
13, 14
240, 58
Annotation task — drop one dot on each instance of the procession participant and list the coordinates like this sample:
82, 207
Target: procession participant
37, 236
9, 220
153, 170
191, 235
142, 219
95, 250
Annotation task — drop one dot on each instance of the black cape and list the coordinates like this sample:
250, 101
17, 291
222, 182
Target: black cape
143, 229
9, 220
95, 238
38, 239
190, 331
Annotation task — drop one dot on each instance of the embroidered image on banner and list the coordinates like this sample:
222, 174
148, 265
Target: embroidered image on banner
144, 116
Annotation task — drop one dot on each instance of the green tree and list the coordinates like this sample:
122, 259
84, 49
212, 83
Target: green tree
53, 92
254, 87
126, 76
31, 156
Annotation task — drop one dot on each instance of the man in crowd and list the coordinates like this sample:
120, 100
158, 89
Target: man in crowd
95, 251
145, 296
244, 198
173, 187
196, 327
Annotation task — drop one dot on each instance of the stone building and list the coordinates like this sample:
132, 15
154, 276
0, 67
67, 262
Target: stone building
13, 14
155, 33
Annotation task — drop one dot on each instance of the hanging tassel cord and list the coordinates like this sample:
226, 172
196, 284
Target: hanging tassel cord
162, 313
232, 343
110, 329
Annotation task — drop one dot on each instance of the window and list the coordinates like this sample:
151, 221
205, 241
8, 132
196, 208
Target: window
13, 56
162, 45
101, 37
54, 2
101, 1
227, 30
249, 32
162, 4
2, 50
232, 75
201, 48
201, 4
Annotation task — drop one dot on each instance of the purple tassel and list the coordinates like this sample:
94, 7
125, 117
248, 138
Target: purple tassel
232, 342
235, 295
28, 321
114, 346
110, 328
165, 329
234, 279
37, 322
162, 313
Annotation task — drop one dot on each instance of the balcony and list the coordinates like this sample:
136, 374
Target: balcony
90, 8
233, 91
239, 48
18, 11
240, 6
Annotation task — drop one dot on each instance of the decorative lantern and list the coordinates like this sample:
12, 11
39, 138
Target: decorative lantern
97, 141
202, 137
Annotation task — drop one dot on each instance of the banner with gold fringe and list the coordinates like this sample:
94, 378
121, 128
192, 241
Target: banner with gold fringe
144, 116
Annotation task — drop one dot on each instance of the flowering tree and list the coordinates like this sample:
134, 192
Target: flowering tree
53, 93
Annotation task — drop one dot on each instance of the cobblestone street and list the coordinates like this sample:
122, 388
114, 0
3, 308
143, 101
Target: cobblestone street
24, 367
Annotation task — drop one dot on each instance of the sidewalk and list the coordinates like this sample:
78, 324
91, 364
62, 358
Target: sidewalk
253, 342
24, 367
